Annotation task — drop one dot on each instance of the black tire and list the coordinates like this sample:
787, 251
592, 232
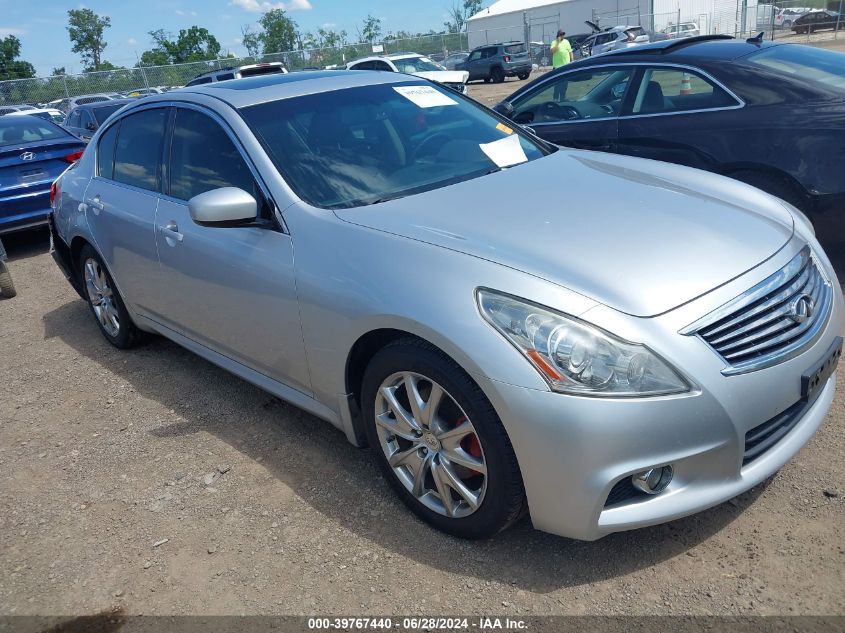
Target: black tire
504, 500
487, 80
497, 75
778, 186
523, 76
127, 335
7, 286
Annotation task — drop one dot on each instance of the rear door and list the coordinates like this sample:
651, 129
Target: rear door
579, 108
121, 202
682, 116
229, 288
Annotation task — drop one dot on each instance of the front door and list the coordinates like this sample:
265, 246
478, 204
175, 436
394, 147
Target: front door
577, 109
229, 288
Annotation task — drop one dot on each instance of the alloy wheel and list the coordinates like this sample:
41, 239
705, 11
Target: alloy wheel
430, 444
101, 296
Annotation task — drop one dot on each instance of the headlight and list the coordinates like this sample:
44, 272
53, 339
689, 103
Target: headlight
575, 357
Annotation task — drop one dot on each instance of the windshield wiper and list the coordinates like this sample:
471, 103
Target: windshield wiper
385, 199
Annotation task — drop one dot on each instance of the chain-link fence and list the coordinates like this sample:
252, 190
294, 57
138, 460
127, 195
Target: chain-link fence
44, 90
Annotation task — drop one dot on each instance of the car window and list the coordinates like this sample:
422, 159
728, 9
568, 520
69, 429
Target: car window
677, 90
203, 157
104, 112
225, 76
86, 120
474, 56
25, 129
584, 94
359, 146
362, 66
515, 49
803, 62
105, 152
138, 152
85, 100
380, 65
73, 119
201, 80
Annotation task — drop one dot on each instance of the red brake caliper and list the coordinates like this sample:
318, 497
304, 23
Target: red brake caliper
470, 443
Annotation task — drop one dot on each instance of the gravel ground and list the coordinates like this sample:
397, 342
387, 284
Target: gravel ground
154, 482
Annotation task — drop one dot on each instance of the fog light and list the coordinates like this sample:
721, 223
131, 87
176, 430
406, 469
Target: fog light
653, 480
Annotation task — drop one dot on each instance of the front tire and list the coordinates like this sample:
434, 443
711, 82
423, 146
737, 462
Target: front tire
439, 442
523, 76
105, 301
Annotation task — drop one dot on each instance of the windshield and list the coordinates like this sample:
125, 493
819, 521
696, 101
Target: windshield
803, 62
416, 65
358, 146
27, 129
101, 114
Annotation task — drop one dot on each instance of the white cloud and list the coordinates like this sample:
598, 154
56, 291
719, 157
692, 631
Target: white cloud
191, 13
132, 41
8, 30
262, 6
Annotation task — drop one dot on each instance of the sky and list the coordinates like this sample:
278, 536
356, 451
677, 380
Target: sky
41, 24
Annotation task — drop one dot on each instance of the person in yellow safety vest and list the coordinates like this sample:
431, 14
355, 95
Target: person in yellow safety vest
561, 50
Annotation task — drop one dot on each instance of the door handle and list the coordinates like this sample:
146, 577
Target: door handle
170, 231
97, 204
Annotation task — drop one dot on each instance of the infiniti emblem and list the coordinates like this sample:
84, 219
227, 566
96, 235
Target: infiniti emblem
801, 309
27, 156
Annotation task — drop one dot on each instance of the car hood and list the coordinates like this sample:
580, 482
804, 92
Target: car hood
640, 236
445, 76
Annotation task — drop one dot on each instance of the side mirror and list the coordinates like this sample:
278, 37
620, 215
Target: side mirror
223, 206
90, 126
505, 108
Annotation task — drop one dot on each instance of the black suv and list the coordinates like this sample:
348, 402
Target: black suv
494, 62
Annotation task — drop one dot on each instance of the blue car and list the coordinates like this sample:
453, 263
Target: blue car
33, 153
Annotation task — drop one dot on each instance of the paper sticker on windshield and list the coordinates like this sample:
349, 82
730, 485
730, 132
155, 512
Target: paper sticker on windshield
505, 152
424, 96
504, 128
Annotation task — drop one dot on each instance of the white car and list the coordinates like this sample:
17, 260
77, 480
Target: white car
684, 29
414, 64
51, 114
785, 17
612, 39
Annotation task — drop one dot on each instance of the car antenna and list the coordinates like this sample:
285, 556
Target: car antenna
757, 39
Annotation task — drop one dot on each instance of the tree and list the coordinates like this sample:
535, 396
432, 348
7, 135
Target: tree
10, 66
278, 32
195, 44
251, 41
460, 12
371, 29
86, 29
58, 71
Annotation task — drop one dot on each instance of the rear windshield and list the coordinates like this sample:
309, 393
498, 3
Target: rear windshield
364, 145
515, 49
101, 114
260, 70
803, 62
15, 130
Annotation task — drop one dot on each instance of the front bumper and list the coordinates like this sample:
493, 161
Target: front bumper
573, 450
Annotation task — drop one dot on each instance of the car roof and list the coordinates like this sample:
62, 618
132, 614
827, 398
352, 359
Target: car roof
272, 87
699, 48
103, 104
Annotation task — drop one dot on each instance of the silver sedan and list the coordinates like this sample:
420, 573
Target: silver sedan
600, 341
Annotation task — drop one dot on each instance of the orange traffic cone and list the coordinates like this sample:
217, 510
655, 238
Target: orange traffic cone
686, 87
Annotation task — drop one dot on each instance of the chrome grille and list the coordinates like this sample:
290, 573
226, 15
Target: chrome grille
772, 321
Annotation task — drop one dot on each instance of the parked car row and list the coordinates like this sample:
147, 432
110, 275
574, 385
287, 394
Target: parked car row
599, 341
